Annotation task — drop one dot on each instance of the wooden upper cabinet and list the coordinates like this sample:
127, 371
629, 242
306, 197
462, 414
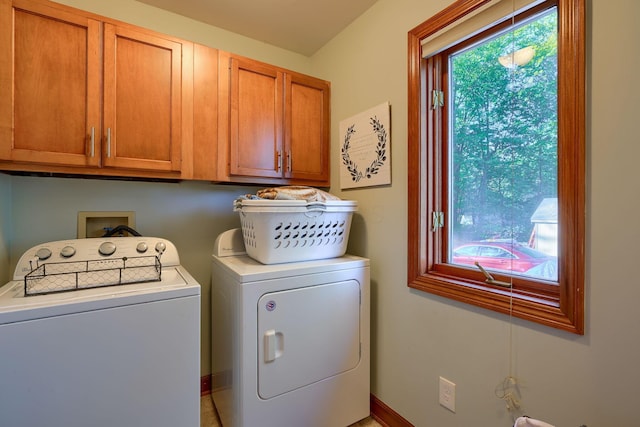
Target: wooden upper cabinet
278, 124
50, 85
142, 100
307, 132
82, 94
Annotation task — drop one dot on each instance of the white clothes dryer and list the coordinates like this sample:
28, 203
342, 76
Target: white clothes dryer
290, 344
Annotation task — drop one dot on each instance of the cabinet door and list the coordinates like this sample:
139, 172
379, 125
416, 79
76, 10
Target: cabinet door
142, 100
307, 133
256, 102
49, 85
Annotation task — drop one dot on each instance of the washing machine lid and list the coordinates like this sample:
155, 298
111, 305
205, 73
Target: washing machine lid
176, 282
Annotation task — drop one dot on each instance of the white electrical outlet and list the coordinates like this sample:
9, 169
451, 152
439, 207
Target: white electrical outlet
447, 394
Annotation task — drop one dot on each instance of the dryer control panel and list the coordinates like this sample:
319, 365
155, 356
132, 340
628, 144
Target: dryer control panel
229, 243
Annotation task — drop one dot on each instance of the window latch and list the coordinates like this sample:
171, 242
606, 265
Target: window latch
437, 221
490, 280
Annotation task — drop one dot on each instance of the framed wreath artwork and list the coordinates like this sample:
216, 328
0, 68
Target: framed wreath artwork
365, 151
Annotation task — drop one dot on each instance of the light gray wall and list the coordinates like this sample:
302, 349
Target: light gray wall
566, 379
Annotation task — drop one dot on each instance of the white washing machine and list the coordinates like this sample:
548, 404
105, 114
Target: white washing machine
290, 345
100, 332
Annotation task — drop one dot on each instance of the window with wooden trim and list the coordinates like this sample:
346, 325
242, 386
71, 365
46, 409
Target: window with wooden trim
497, 157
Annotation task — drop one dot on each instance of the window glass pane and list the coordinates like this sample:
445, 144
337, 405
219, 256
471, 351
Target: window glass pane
503, 150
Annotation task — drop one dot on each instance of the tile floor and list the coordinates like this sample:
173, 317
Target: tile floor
209, 418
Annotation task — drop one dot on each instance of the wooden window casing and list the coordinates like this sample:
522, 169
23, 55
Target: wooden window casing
561, 306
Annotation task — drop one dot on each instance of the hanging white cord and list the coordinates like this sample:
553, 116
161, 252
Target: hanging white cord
508, 390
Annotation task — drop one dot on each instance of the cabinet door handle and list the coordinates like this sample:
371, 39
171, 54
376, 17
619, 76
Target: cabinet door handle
278, 161
93, 141
289, 160
108, 142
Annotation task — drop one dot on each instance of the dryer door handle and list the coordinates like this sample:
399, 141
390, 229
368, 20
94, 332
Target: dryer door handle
273, 345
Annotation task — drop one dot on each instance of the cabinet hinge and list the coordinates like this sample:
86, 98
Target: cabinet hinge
437, 220
437, 99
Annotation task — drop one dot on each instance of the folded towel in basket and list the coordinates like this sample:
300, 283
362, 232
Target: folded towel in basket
296, 192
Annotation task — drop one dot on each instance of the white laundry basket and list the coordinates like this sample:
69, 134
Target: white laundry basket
278, 231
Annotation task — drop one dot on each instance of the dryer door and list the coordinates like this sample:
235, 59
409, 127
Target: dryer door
306, 335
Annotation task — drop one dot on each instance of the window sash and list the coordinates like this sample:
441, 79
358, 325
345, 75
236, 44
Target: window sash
549, 288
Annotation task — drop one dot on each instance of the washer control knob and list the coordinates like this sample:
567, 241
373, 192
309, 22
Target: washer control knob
107, 248
43, 253
160, 247
67, 252
142, 247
